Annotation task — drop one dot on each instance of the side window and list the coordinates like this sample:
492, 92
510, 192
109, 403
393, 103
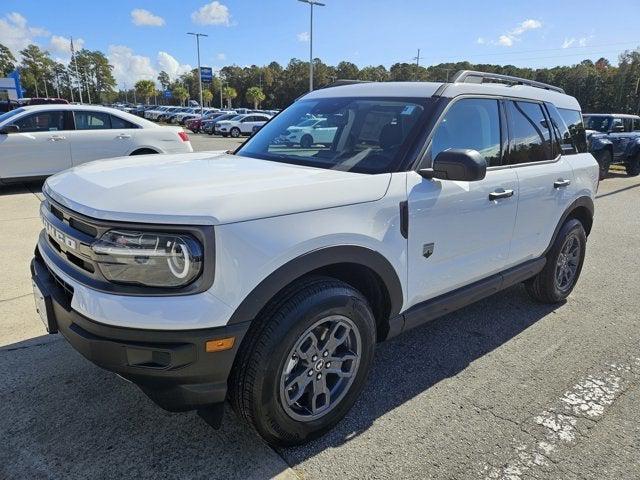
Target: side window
636, 124
617, 125
92, 120
49, 121
574, 122
117, 122
530, 134
470, 123
628, 124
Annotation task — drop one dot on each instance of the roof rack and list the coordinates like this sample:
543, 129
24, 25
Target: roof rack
341, 82
471, 76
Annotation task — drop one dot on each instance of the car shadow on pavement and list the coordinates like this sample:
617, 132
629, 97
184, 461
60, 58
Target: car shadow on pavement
63, 417
421, 358
19, 188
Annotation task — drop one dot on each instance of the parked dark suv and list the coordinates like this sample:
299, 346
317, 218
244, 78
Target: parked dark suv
614, 138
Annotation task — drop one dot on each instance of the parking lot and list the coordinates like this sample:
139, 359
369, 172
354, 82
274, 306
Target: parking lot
505, 388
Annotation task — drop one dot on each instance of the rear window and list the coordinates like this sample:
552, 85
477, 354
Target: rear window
573, 120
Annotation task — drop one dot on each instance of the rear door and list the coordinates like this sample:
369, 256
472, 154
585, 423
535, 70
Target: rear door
94, 139
40, 148
544, 178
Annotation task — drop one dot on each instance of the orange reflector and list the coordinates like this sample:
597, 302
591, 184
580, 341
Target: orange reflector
220, 344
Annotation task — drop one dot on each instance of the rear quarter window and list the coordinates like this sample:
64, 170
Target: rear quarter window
573, 120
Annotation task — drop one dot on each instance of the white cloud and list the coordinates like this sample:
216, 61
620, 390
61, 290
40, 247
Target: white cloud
142, 17
60, 47
16, 34
568, 42
512, 36
575, 42
169, 64
505, 40
221, 56
128, 67
303, 37
582, 42
214, 13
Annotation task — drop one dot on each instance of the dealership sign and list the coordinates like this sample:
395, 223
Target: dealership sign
206, 74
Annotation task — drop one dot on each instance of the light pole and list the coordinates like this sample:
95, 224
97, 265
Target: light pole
198, 35
311, 3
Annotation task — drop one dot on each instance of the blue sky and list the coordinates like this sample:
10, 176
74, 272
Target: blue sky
366, 32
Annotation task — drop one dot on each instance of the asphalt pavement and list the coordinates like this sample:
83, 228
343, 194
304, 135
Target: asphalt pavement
503, 389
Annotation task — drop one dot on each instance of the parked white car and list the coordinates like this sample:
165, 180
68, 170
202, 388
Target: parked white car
241, 125
311, 131
267, 277
41, 140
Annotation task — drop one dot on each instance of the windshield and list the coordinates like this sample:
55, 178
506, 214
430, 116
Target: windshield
600, 123
364, 135
10, 114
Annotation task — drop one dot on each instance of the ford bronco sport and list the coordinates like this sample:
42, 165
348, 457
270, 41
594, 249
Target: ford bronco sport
614, 139
267, 276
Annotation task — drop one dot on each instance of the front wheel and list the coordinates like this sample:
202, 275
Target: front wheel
633, 166
235, 132
305, 362
564, 264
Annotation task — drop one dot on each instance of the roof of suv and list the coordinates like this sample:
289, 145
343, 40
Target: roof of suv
447, 90
620, 115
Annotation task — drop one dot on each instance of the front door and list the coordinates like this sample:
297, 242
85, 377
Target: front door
39, 148
460, 232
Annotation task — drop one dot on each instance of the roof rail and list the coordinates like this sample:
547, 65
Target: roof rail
471, 76
341, 82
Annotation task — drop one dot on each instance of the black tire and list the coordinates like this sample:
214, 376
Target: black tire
545, 287
306, 141
604, 159
256, 385
235, 132
633, 166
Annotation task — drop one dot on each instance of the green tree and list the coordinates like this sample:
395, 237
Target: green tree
207, 96
180, 93
256, 96
229, 93
145, 89
164, 80
35, 63
7, 61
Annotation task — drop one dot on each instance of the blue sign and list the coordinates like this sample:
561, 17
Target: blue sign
206, 74
167, 94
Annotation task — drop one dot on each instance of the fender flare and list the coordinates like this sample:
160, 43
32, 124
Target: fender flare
580, 202
258, 298
600, 144
633, 148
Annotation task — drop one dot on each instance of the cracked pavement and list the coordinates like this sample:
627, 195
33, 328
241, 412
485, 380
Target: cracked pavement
503, 389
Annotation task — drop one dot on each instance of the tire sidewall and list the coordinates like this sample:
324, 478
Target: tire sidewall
570, 227
274, 423
235, 132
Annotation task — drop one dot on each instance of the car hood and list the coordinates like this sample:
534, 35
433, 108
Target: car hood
208, 188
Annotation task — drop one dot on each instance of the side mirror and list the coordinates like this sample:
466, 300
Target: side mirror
457, 164
7, 129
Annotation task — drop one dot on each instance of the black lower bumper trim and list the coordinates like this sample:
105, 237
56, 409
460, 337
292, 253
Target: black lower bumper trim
171, 367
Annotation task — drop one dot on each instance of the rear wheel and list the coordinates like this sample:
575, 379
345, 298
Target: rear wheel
305, 361
564, 264
633, 166
604, 161
144, 151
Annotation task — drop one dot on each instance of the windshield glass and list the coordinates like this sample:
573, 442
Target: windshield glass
10, 114
600, 123
364, 135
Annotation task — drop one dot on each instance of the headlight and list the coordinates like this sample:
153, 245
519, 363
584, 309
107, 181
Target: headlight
146, 258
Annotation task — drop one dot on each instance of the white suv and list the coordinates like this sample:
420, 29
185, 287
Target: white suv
241, 125
268, 276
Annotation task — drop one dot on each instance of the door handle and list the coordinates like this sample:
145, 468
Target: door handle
500, 193
123, 136
55, 138
561, 183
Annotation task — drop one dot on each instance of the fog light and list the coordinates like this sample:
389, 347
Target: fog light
220, 344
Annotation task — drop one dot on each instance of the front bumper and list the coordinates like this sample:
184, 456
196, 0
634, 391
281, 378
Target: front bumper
171, 367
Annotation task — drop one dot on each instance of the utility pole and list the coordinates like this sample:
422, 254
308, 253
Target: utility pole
417, 59
70, 86
311, 3
86, 84
75, 61
198, 35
